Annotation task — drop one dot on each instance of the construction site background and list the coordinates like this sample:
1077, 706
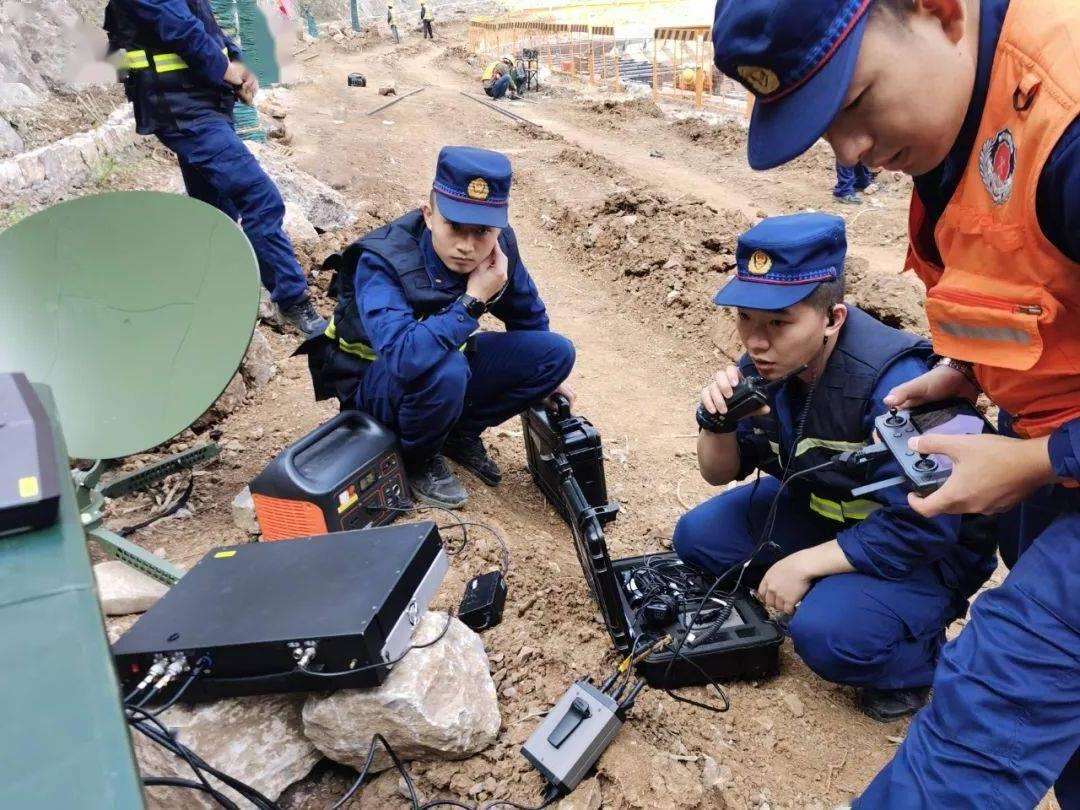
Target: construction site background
664, 48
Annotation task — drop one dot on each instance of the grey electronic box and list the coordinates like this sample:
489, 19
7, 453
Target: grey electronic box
573, 736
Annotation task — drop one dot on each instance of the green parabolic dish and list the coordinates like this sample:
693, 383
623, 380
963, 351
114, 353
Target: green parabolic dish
135, 307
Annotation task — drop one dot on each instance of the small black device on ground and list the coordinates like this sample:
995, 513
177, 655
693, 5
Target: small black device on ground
346, 474
750, 395
483, 601
922, 473
266, 615
29, 486
357, 80
643, 599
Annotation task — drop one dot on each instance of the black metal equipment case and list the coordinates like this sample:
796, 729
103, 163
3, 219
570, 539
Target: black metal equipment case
356, 596
578, 442
746, 647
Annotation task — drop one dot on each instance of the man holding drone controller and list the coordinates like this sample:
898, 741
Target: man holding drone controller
872, 585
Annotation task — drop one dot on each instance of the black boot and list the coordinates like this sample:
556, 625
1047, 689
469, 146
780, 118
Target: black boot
470, 453
887, 705
433, 483
303, 316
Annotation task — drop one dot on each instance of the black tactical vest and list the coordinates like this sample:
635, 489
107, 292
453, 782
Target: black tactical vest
835, 420
398, 244
169, 100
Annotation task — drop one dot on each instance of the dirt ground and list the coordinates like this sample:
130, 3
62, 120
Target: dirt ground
627, 219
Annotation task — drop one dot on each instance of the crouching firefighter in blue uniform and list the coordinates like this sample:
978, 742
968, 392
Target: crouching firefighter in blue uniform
183, 75
871, 584
403, 344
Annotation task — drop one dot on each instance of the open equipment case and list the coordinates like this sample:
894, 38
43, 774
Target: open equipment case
565, 458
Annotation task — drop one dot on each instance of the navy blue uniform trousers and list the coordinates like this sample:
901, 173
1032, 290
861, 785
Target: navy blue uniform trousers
1004, 724
850, 179
218, 169
497, 377
850, 628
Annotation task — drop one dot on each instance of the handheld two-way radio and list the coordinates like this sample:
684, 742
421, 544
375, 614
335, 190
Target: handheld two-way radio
746, 398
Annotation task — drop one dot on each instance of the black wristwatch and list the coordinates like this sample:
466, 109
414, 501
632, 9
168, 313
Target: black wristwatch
474, 306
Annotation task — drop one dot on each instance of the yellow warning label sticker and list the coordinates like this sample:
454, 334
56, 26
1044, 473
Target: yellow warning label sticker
221, 555
29, 487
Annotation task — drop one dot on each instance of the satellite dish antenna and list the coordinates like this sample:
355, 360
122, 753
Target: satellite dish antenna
136, 309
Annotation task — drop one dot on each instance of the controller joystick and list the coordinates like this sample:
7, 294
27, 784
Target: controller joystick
894, 419
925, 463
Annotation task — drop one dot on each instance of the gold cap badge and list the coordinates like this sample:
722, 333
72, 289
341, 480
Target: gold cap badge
759, 263
763, 80
478, 189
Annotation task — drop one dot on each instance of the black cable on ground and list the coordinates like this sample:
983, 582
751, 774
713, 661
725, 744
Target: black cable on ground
498, 537
171, 744
165, 738
458, 522
169, 781
376, 740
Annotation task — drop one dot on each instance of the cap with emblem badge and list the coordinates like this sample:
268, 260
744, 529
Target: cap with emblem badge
797, 58
782, 260
473, 186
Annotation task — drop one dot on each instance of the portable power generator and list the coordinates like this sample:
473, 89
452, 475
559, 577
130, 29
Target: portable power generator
346, 474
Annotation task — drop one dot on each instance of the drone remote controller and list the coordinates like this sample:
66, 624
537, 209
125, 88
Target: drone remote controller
924, 473
749, 396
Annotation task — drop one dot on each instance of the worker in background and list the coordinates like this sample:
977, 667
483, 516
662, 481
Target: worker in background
850, 180
875, 584
405, 341
391, 20
427, 17
183, 76
977, 100
498, 78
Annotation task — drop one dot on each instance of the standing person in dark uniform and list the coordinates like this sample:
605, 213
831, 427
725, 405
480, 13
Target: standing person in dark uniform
405, 341
183, 76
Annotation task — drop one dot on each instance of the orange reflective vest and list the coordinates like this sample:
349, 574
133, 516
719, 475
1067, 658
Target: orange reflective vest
1003, 297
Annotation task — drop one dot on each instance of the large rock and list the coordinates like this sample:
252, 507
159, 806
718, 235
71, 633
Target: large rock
325, 208
438, 703
258, 367
232, 397
297, 225
123, 590
10, 142
52, 43
243, 513
14, 95
258, 740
